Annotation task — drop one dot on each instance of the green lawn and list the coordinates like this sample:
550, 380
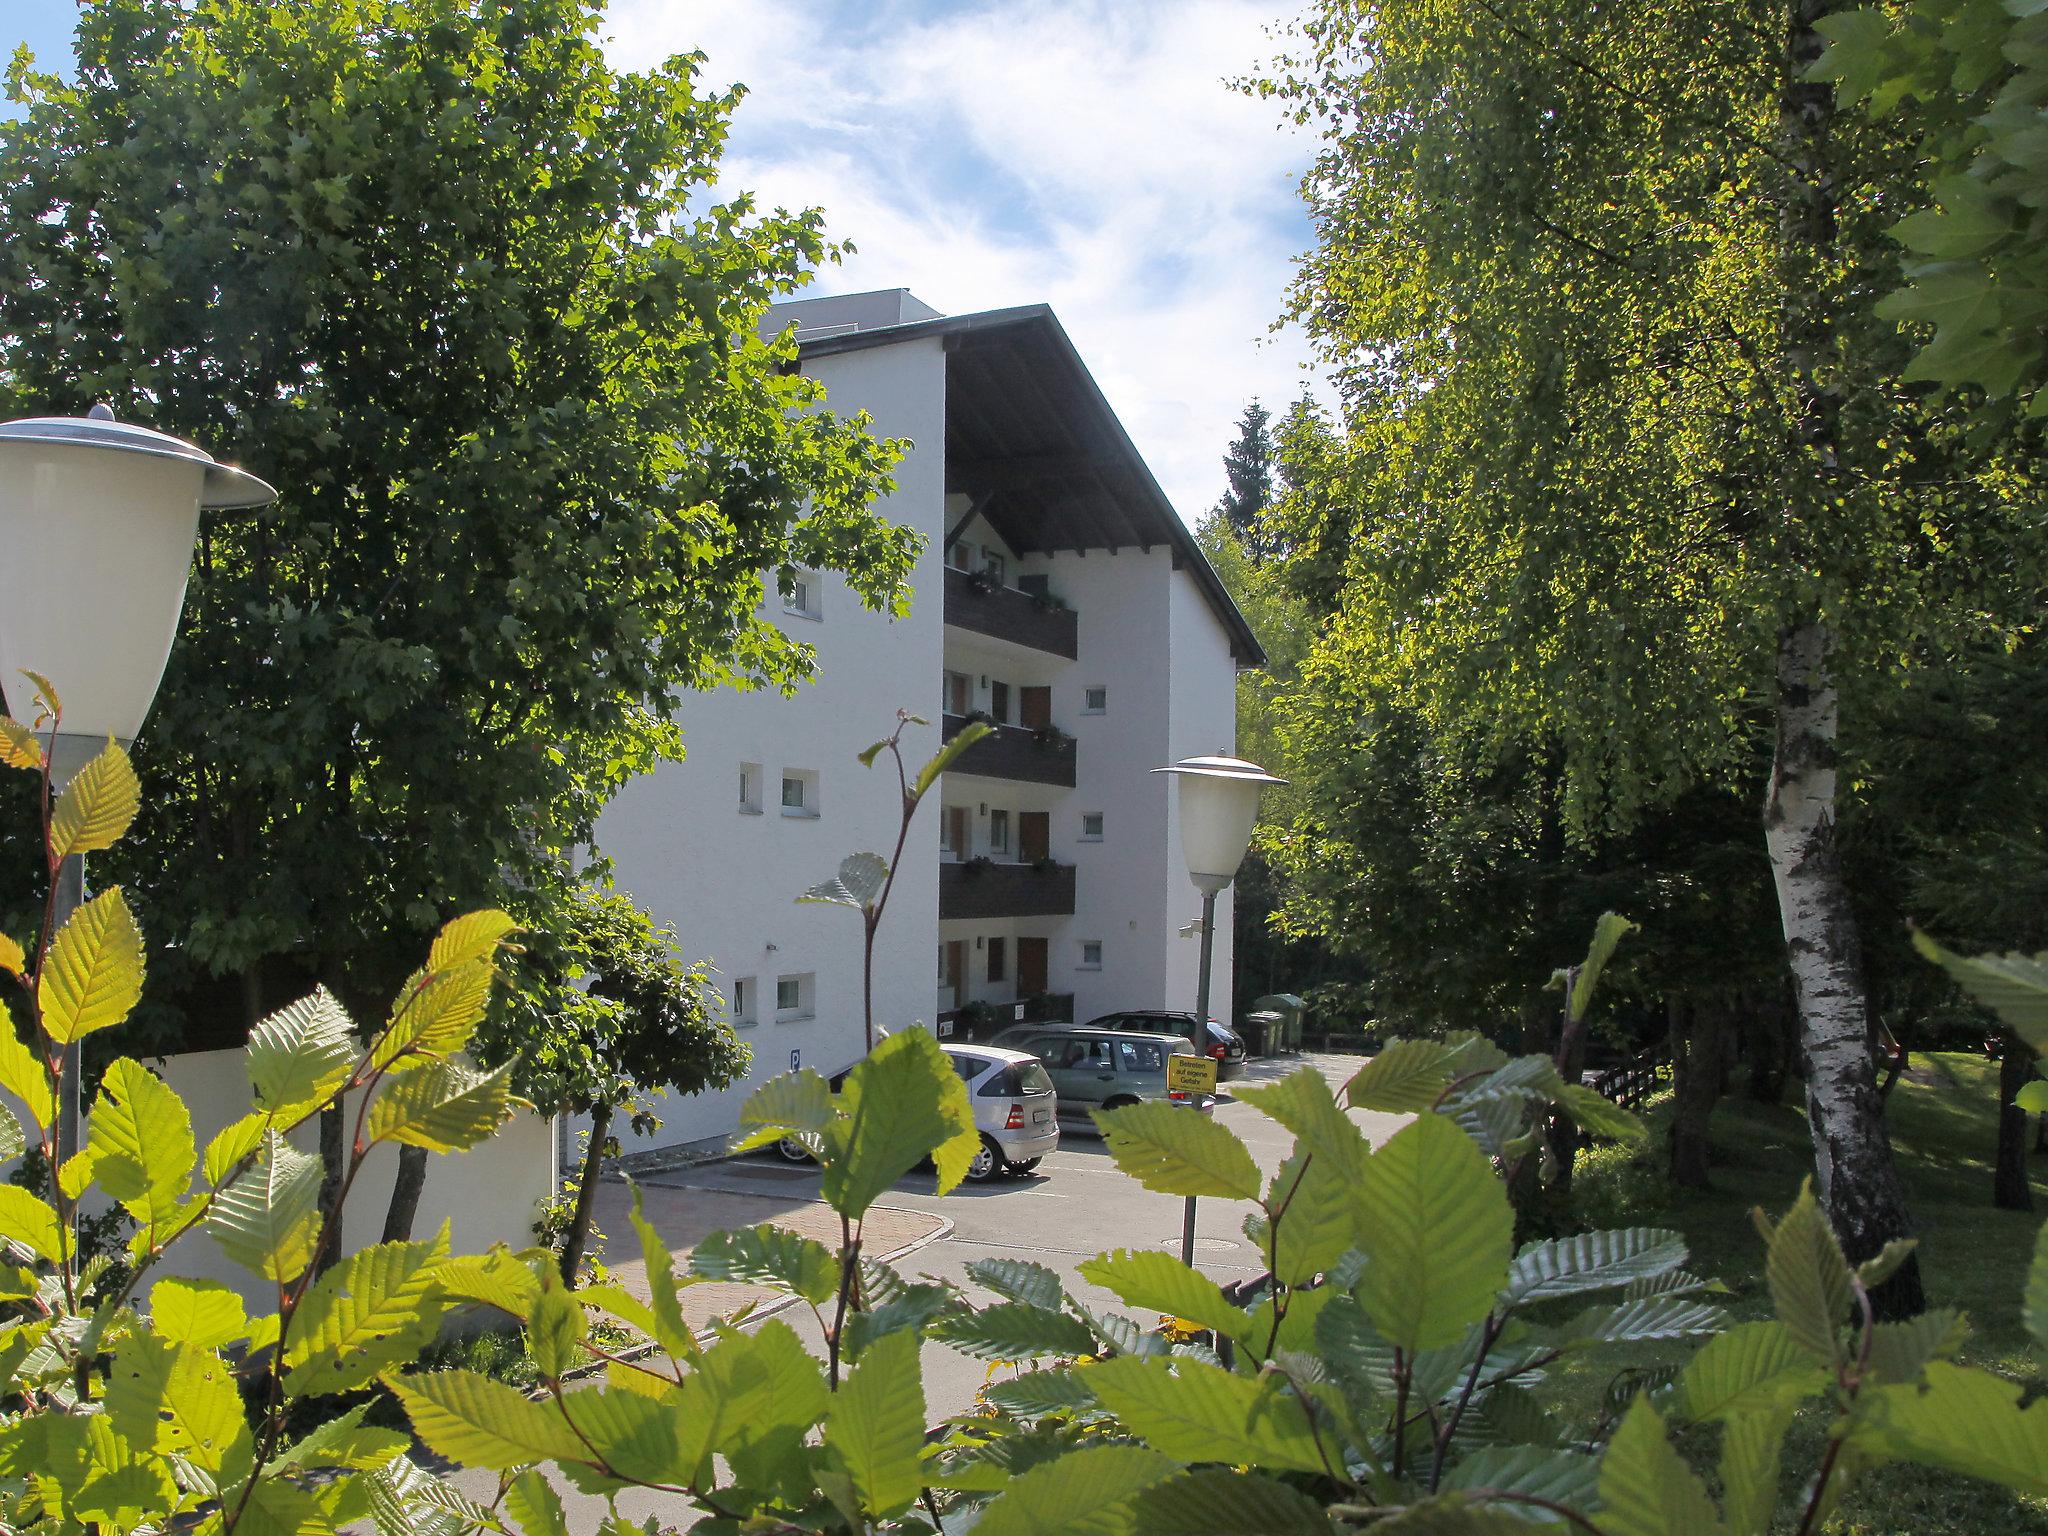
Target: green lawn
1973, 1256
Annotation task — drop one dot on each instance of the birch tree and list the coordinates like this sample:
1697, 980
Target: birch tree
1629, 466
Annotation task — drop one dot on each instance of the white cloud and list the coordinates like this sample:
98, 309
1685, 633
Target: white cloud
1088, 154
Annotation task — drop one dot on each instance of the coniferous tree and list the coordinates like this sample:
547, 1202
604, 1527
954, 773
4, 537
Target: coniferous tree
1249, 464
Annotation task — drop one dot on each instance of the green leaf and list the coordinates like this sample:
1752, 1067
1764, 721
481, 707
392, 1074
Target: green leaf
478, 1422
903, 1103
1647, 1317
233, 1142
769, 1255
472, 937
1022, 1280
1562, 1477
437, 1012
180, 1400
876, 1423
2035, 1303
98, 806
1196, 1412
92, 976
1646, 1489
299, 1056
1808, 1276
1608, 932
447, 1107
30, 1221
535, 1505
2013, 986
140, 1135
1213, 1502
1752, 1447
1900, 1351
1012, 1330
23, 1075
1437, 1233
497, 1278
1874, 1271
344, 1442
1455, 1514
1963, 1420
1176, 1150
796, 1103
556, 1328
947, 755
1968, 221
1405, 1078
202, 1313
673, 1331
1591, 1261
1085, 1493
1597, 1114
1159, 1282
1053, 1390
2033, 1097
18, 745
269, 1218
1303, 1103
858, 884
1319, 1221
1750, 1368
378, 1310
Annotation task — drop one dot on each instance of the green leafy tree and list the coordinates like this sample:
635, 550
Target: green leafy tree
601, 1017
1629, 472
1248, 465
460, 289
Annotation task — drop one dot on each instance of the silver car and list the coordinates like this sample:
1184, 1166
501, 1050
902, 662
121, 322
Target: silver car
1107, 1067
1014, 1108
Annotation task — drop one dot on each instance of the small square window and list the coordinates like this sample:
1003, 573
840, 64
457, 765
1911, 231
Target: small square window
959, 555
750, 788
998, 831
1091, 954
993, 564
1095, 701
799, 792
800, 597
1091, 826
794, 997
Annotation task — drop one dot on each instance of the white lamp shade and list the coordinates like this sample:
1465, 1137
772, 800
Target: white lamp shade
1219, 803
97, 521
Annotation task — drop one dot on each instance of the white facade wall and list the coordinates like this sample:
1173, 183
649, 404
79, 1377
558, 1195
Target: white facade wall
727, 881
1201, 721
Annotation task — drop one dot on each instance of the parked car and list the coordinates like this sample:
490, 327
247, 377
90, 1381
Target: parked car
1014, 1108
1100, 1066
1226, 1045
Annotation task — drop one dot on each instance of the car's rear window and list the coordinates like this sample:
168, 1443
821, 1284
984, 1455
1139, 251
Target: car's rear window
1016, 1080
1140, 1056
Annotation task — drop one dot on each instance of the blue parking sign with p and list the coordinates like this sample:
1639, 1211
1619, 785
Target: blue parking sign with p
795, 1060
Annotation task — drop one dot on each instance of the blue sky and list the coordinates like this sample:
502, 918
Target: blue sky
1082, 153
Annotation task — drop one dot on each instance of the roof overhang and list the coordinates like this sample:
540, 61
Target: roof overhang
1031, 440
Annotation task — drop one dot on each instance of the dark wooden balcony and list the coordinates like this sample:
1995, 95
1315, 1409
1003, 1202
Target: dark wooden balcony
1015, 752
983, 1021
983, 889
1007, 614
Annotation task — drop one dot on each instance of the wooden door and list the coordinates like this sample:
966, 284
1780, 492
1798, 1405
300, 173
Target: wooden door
1034, 836
999, 702
1031, 967
1034, 707
956, 971
956, 831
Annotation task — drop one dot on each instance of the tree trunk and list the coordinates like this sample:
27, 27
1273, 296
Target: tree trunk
586, 1195
1768, 1031
2010, 1188
1561, 1134
1857, 1178
405, 1194
2041, 1133
1698, 1050
1856, 1175
333, 1168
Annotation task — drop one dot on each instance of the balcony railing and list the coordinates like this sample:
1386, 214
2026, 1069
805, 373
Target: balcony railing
980, 1021
1004, 613
1016, 752
979, 888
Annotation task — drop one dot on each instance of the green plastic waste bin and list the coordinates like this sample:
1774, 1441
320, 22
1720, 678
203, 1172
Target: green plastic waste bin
1291, 1010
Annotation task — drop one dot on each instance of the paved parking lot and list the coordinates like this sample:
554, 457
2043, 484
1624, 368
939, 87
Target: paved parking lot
1075, 1206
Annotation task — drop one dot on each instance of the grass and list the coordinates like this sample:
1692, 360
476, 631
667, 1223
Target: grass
1973, 1257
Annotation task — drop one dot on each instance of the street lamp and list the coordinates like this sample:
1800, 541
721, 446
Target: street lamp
1219, 803
97, 521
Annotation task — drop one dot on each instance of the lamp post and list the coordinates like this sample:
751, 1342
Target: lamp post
1219, 803
98, 520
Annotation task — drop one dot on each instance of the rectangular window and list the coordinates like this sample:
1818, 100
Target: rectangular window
799, 792
1091, 826
949, 821
750, 788
998, 831
1091, 954
793, 997
959, 556
999, 702
998, 960
1095, 700
743, 1001
800, 597
993, 563
959, 693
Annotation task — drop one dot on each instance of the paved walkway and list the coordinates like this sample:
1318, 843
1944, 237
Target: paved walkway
686, 1216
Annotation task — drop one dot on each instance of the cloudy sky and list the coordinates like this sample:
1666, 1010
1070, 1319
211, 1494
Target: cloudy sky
1084, 153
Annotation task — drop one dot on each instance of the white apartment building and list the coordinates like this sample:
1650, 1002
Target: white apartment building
1061, 596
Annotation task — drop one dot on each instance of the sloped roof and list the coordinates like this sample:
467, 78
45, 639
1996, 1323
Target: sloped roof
1031, 439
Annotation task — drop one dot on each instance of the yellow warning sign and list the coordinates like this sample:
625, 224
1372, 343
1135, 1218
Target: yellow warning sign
1190, 1074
